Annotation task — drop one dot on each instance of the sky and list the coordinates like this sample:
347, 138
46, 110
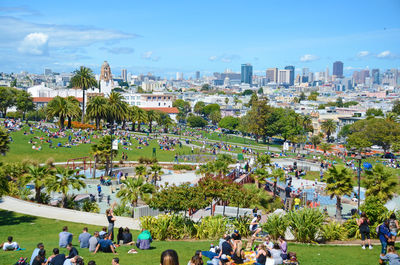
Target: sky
165, 37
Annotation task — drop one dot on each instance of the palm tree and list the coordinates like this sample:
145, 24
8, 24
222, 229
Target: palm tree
97, 109
102, 152
263, 161
391, 116
155, 172
152, 115
220, 168
206, 169
83, 79
38, 175
133, 116
73, 109
307, 123
329, 127
4, 141
134, 189
339, 183
315, 140
277, 174
140, 171
63, 180
58, 107
259, 176
325, 147
142, 117
226, 101
117, 107
380, 182
164, 120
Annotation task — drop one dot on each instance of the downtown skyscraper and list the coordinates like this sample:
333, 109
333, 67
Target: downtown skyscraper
246, 74
338, 69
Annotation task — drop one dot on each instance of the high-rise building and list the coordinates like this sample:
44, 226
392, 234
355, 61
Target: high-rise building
47, 71
305, 71
356, 77
179, 76
291, 69
363, 75
375, 76
197, 75
246, 73
284, 76
124, 75
327, 74
272, 75
338, 69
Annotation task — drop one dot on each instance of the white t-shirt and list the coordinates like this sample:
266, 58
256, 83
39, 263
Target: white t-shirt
10, 246
253, 227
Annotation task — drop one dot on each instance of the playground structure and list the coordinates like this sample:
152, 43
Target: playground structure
86, 162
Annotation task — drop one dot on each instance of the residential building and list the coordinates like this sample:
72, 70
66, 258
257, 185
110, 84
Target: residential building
284, 76
291, 69
272, 75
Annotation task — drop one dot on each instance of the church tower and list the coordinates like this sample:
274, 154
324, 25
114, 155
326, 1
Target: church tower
105, 73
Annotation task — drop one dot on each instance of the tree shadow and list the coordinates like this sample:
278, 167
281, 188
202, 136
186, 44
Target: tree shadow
10, 218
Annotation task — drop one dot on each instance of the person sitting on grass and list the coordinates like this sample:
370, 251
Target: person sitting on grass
56, 258
392, 257
105, 245
72, 251
10, 245
144, 239
36, 252
254, 226
74, 261
127, 236
65, 237
40, 258
84, 238
93, 241
103, 232
115, 261
169, 257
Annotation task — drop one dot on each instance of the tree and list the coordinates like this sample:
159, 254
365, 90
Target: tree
117, 108
391, 116
226, 101
83, 79
140, 171
213, 187
229, 123
315, 140
325, 147
339, 183
396, 107
210, 108
371, 112
198, 107
97, 109
247, 92
63, 180
24, 102
58, 107
142, 117
4, 141
183, 107
260, 91
380, 182
236, 100
134, 189
258, 119
253, 99
196, 121
277, 174
345, 131
152, 115
38, 175
7, 99
328, 127
73, 109
165, 121
155, 172
215, 117
313, 96
103, 152
205, 87
302, 96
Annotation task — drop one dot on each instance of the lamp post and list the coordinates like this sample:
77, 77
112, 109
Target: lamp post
359, 158
111, 150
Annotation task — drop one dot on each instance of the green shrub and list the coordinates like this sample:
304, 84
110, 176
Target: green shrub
14, 115
305, 224
333, 231
242, 224
211, 227
183, 167
123, 210
167, 226
374, 208
276, 225
352, 228
147, 160
91, 207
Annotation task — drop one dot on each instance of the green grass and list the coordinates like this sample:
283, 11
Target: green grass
21, 149
29, 230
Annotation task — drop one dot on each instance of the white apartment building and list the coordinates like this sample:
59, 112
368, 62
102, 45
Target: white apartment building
149, 100
284, 76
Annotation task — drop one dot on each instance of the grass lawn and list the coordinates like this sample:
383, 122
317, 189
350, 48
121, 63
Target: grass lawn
21, 149
29, 230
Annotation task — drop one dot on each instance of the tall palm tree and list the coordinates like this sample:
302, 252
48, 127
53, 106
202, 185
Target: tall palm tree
58, 107
63, 180
155, 172
339, 183
315, 140
325, 147
307, 123
73, 109
152, 115
97, 109
117, 107
380, 182
329, 127
102, 152
134, 116
134, 189
164, 120
277, 174
142, 117
259, 176
4, 141
38, 175
83, 79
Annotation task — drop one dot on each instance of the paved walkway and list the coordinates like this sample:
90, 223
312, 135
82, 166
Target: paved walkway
40, 210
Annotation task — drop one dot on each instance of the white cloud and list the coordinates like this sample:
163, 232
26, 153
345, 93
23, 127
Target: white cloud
149, 55
308, 58
118, 50
212, 58
35, 44
385, 54
363, 54
225, 58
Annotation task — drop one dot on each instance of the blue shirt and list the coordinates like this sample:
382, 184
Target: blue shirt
105, 244
65, 238
383, 230
84, 239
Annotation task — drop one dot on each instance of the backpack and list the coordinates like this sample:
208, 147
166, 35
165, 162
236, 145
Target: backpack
21, 261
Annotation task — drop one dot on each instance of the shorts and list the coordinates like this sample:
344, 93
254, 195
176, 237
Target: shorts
365, 233
393, 233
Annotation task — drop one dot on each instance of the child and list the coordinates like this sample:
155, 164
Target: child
391, 256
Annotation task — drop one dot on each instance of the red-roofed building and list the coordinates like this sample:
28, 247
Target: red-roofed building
43, 101
172, 111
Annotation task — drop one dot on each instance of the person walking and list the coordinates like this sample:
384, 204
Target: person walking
363, 224
393, 228
384, 235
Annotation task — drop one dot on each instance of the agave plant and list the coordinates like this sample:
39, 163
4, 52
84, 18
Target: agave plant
242, 224
305, 224
275, 225
333, 231
211, 227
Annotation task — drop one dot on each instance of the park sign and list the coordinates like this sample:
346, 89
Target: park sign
115, 145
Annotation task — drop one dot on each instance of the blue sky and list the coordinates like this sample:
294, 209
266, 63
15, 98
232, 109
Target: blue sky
164, 37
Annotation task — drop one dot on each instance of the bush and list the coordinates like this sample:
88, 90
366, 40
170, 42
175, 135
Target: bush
183, 167
147, 160
166, 226
211, 227
375, 209
91, 207
242, 224
196, 121
275, 225
305, 224
123, 210
14, 115
333, 231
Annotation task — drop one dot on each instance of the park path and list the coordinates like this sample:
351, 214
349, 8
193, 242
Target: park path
40, 210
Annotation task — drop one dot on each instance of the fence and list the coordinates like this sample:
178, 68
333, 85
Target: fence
144, 211
197, 158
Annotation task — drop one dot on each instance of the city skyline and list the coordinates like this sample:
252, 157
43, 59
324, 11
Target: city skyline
165, 38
